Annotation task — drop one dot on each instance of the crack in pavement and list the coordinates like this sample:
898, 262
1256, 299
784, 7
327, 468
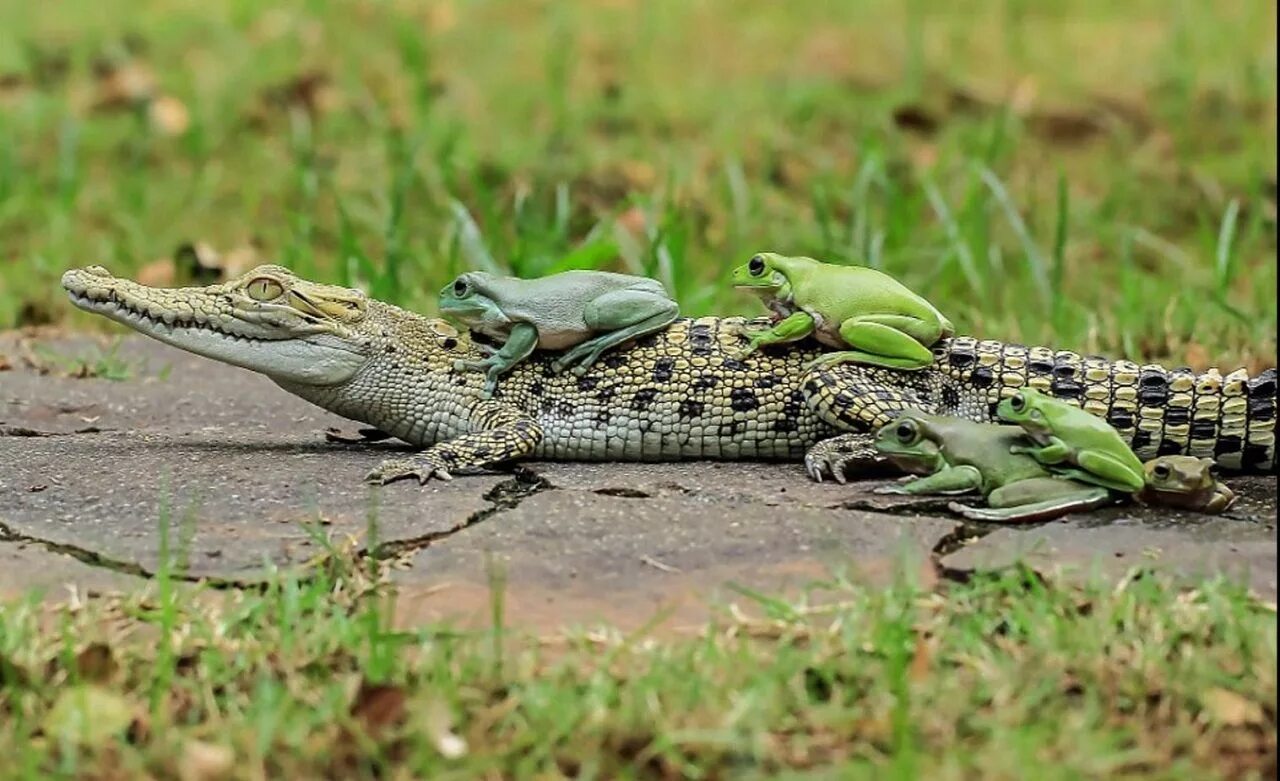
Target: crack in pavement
83, 555
504, 496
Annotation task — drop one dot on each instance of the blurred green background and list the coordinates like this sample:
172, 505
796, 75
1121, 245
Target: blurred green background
1094, 175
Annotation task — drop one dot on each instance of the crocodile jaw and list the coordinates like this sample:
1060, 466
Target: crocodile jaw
197, 320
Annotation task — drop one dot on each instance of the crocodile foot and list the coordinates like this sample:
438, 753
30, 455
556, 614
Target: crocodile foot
840, 456
422, 467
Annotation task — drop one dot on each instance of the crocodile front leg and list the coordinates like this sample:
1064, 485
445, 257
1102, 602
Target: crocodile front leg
859, 400
499, 432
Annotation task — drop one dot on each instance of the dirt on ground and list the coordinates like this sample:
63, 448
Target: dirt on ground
223, 475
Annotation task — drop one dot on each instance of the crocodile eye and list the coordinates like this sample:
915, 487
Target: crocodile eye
264, 289
1160, 472
461, 288
1018, 402
906, 432
756, 265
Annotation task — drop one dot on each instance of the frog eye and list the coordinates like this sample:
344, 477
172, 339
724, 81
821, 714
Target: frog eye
907, 432
1018, 402
755, 266
461, 288
264, 289
1161, 471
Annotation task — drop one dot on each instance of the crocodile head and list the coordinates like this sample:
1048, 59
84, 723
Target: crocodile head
267, 320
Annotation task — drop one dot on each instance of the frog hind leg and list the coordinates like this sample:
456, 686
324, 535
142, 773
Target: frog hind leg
1036, 499
618, 316
1105, 470
951, 480
891, 341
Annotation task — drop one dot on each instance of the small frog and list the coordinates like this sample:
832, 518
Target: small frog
959, 456
1073, 441
1186, 482
880, 319
583, 312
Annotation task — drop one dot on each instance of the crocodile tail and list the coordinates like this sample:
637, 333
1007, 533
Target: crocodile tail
1230, 419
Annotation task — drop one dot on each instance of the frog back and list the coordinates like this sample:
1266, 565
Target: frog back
1082, 428
837, 292
558, 301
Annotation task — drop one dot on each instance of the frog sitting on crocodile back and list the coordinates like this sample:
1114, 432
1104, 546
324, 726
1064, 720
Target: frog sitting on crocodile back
868, 316
582, 312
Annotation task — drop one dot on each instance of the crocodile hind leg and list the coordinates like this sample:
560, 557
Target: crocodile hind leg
499, 432
859, 400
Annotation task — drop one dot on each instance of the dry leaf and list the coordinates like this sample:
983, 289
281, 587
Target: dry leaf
441, 16
200, 262
96, 663
168, 116
1197, 357
1023, 96
158, 273
12, 85
378, 706
122, 85
638, 174
5, 364
915, 118
633, 221
1231, 709
202, 761
921, 659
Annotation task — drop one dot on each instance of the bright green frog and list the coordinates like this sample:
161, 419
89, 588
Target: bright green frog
582, 312
868, 316
1072, 441
958, 456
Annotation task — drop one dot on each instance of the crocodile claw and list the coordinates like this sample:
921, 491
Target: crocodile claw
421, 468
840, 456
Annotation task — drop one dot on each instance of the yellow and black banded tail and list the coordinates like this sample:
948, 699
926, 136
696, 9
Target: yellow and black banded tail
1160, 411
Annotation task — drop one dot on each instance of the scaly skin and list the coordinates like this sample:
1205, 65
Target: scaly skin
674, 394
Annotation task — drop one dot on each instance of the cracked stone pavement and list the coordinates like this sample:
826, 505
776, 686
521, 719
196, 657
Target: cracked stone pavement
92, 469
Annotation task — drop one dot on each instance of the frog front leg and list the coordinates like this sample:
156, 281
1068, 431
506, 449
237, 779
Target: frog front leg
792, 328
619, 315
891, 341
948, 480
1035, 499
519, 345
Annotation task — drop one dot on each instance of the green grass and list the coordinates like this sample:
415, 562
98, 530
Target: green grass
1002, 677
1093, 175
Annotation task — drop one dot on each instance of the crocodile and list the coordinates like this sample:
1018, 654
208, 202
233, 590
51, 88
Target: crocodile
678, 393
